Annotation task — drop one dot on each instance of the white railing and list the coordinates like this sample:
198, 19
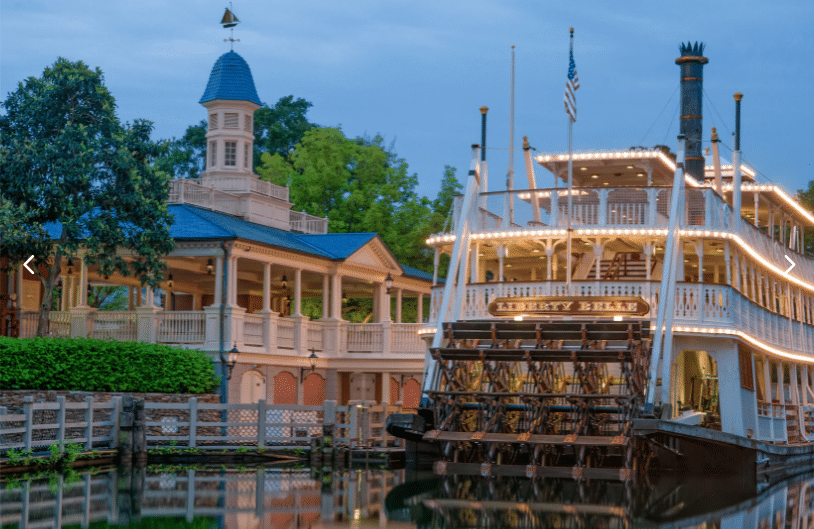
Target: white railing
285, 333
304, 223
697, 306
114, 325
363, 337
245, 184
315, 339
181, 327
253, 329
404, 338
60, 324
190, 192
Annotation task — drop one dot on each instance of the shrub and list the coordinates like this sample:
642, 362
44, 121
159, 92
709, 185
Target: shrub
81, 364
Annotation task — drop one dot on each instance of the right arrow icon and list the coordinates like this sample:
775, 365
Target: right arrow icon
793, 264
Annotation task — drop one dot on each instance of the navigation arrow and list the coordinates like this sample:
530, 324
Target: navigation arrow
793, 264
26, 264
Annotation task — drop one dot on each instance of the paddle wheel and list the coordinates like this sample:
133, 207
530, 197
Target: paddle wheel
532, 397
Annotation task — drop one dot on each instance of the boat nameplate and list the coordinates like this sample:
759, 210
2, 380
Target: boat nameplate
569, 306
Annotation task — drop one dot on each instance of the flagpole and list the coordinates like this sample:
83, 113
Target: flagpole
570, 179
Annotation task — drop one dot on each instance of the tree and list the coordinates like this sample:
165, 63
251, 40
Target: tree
360, 185
279, 128
185, 158
74, 181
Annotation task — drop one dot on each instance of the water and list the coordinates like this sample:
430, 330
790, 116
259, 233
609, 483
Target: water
272, 497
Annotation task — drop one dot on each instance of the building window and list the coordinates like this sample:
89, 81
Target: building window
213, 153
230, 153
247, 124
245, 155
213, 121
230, 120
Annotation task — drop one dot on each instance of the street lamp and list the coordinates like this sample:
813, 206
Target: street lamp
388, 283
313, 359
209, 267
229, 364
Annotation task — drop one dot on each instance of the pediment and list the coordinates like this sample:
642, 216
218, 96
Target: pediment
375, 255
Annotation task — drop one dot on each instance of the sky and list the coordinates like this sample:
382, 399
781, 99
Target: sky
417, 72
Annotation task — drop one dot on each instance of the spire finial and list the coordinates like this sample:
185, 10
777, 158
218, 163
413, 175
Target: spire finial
229, 20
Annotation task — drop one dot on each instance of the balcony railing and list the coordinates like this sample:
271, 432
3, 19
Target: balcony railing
699, 308
181, 327
705, 213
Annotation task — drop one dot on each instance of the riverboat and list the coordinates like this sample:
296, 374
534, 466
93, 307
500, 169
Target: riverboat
648, 310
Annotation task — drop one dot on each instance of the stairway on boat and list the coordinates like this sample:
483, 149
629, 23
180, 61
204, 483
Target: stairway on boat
528, 397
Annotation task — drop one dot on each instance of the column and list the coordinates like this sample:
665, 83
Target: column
297, 292
218, 281
420, 309
398, 305
231, 292
336, 296
727, 258
83, 283
267, 287
436, 262
326, 297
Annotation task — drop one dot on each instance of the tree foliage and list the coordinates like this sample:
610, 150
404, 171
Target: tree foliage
361, 185
71, 177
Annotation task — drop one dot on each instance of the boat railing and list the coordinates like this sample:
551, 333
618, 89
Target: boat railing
705, 213
700, 308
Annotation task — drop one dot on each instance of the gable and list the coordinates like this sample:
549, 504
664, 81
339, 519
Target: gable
374, 254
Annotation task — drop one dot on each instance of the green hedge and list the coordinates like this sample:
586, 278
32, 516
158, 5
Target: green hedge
80, 364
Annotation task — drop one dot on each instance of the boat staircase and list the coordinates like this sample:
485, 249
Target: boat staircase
539, 397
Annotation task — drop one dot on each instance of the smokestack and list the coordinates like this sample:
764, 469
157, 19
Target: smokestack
692, 63
483, 111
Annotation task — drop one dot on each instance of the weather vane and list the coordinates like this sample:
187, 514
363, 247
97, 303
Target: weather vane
229, 20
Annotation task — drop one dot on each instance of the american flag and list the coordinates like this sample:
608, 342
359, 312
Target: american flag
571, 86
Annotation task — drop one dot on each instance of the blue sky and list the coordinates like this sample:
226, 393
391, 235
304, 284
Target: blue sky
417, 72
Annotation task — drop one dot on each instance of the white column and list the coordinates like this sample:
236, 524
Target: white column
420, 309
398, 305
727, 267
83, 284
781, 393
436, 262
336, 296
384, 303
297, 292
326, 296
267, 286
218, 281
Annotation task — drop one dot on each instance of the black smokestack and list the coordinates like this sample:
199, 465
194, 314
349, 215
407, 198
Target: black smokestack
692, 63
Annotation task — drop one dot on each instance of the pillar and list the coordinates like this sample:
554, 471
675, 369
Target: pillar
420, 309
218, 281
336, 296
398, 305
297, 292
326, 296
83, 284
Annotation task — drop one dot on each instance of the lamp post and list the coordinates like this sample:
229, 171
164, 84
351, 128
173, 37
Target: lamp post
313, 360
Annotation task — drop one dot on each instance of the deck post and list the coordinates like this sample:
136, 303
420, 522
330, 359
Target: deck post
261, 423
60, 440
28, 411
193, 422
89, 425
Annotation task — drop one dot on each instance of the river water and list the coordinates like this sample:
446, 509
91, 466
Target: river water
281, 498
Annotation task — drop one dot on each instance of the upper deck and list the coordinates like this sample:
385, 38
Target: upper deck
619, 225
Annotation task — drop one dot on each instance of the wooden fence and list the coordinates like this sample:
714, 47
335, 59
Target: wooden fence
216, 426
94, 424
43, 424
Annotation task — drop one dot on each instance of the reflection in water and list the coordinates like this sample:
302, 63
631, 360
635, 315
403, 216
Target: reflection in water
265, 498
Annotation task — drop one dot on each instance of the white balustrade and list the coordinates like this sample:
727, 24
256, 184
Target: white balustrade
363, 337
114, 325
60, 324
405, 338
315, 340
285, 333
253, 329
181, 327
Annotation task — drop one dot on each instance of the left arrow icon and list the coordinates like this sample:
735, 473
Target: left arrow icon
26, 264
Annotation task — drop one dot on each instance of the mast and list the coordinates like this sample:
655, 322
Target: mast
571, 86
510, 174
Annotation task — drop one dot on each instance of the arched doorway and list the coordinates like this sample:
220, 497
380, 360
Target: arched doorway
412, 393
252, 387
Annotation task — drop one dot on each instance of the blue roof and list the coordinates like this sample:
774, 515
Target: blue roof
194, 223
415, 272
231, 79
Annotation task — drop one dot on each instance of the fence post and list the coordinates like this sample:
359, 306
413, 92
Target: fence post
328, 427
89, 426
365, 425
61, 424
383, 418
28, 411
139, 431
114, 422
193, 421
353, 433
126, 430
261, 424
